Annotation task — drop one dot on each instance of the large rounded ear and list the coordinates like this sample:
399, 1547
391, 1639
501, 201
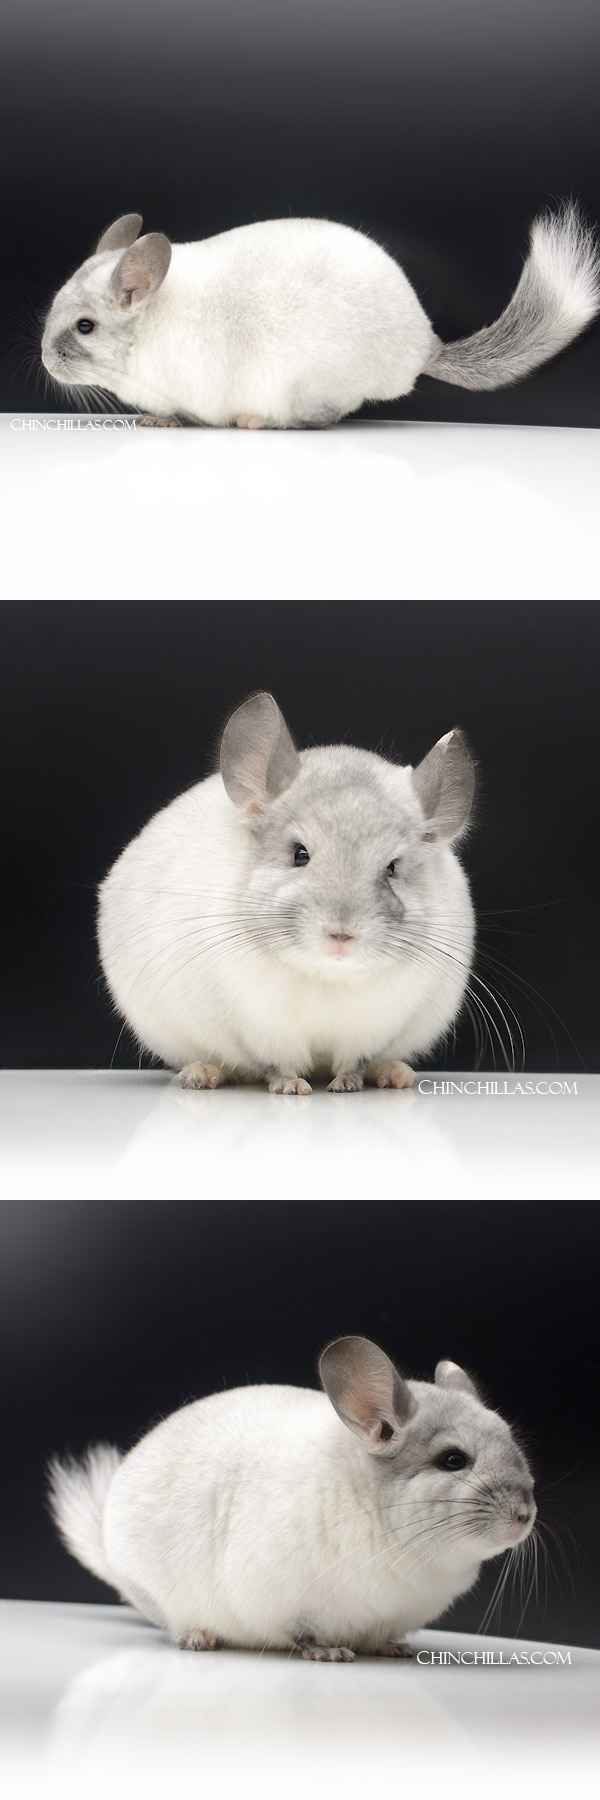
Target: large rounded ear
140, 271
367, 1392
445, 784
450, 1375
259, 759
120, 235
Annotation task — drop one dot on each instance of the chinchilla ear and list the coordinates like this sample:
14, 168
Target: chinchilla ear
450, 1375
367, 1392
140, 271
445, 784
259, 759
120, 235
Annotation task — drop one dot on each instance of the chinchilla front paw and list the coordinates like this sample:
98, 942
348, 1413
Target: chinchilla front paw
289, 1084
349, 1083
197, 1640
327, 1653
200, 1075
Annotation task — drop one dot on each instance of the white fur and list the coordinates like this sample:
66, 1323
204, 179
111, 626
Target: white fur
78, 1495
186, 969
256, 1515
300, 321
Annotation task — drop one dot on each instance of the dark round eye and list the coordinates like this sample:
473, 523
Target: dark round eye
301, 856
85, 325
391, 869
452, 1460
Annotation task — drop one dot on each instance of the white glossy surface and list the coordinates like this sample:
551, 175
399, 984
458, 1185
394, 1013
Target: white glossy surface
98, 1703
363, 511
99, 1134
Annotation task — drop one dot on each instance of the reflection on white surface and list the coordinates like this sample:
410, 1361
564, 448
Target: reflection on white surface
100, 1134
101, 1703
366, 510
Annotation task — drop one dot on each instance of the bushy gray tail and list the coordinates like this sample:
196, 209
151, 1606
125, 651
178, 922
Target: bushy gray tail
77, 1494
557, 296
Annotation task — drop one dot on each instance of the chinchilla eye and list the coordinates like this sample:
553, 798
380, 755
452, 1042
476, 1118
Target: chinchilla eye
85, 325
301, 856
391, 869
452, 1460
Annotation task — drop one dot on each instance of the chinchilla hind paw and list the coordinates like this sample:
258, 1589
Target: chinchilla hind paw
391, 1075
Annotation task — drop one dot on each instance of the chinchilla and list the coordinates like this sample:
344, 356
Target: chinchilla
294, 322
280, 1517
297, 912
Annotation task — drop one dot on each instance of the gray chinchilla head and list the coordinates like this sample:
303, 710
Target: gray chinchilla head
450, 1464
351, 866
90, 327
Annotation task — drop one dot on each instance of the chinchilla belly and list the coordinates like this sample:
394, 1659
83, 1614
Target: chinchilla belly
192, 987
252, 1020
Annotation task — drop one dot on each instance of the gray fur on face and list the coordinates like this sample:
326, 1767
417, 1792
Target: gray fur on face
408, 1426
110, 288
356, 816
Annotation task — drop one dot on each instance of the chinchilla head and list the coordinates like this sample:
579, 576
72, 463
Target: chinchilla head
453, 1480
349, 853
92, 322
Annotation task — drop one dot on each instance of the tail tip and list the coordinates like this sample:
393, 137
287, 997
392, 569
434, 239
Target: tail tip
566, 254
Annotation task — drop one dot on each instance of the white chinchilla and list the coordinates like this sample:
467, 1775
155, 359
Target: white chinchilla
280, 1517
297, 912
294, 322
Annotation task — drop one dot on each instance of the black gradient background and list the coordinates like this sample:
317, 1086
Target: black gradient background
110, 709
440, 129
113, 1314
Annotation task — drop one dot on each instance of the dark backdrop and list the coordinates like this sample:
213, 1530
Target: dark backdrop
114, 1314
440, 129
110, 709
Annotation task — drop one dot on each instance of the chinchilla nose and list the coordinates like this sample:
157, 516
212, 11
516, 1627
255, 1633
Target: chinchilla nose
342, 937
523, 1509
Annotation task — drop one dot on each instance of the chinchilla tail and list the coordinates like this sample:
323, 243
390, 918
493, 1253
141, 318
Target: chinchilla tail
557, 296
77, 1497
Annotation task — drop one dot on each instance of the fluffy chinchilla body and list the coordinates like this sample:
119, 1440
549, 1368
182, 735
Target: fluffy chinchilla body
277, 1517
295, 912
291, 322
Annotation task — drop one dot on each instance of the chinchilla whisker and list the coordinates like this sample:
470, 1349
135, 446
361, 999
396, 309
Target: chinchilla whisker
431, 954
123, 1028
495, 1605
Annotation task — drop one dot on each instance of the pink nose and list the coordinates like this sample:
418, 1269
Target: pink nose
340, 942
518, 1525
